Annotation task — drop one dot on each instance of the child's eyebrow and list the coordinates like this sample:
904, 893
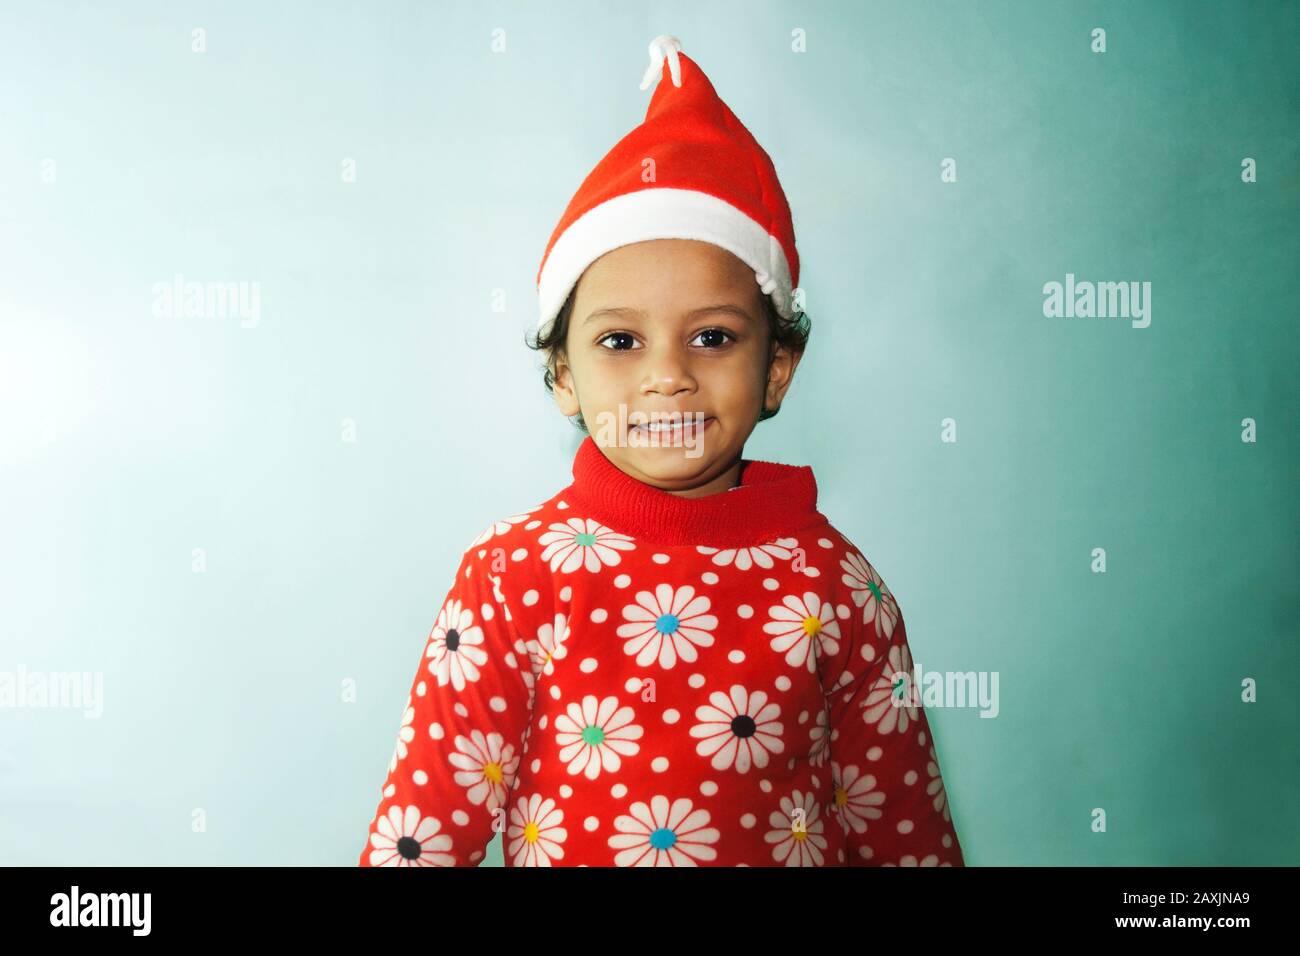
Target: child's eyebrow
625, 311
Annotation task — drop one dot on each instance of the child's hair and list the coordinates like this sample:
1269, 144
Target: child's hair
791, 333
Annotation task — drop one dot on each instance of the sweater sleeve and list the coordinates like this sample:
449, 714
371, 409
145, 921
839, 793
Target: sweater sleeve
462, 731
889, 793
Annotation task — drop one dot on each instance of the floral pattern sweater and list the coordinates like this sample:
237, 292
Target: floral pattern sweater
625, 677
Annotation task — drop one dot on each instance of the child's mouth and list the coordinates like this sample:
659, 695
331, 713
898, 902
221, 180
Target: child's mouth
689, 427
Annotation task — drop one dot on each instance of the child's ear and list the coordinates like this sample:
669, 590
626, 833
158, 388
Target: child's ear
566, 396
780, 373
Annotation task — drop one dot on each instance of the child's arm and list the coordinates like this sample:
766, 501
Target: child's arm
889, 793
462, 732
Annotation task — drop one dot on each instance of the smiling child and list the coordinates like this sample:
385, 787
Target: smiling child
675, 660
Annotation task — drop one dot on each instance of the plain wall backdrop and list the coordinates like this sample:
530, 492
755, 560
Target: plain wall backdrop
398, 302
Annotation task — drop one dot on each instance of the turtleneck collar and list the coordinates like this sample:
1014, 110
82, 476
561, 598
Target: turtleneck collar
771, 501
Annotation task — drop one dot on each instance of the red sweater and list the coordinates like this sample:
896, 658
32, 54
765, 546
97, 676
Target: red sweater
625, 677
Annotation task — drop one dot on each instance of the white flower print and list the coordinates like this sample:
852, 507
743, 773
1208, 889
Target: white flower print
856, 798
403, 837
663, 834
526, 650
499, 527
870, 594
821, 739
758, 557
739, 729
797, 837
596, 736
549, 646
455, 648
909, 860
880, 706
935, 787
666, 625
534, 835
582, 543
485, 767
797, 622
404, 735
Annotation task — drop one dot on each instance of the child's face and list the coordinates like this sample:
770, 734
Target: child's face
671, 325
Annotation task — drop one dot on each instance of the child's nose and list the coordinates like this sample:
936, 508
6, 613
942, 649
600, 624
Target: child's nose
668, 370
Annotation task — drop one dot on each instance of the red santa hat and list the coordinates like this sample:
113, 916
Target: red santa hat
709, 180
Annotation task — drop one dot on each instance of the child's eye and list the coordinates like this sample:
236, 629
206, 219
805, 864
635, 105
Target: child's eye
622, 337
716, 337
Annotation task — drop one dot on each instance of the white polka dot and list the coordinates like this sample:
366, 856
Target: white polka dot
555, 691
590, 824
920, 738
672, 715
909, 778
708, 788
865, 852
588, 664
566, 592
436, 731
598, 615
498, 704
736, 656
511, 660
745, 611
659, 764
481, 552
840, 854
825, 542
622, 581
532, 524
708, 577
946, 841
765, 786
874, 753
618, 791
542, 721
562, 505
460, 818
748, 820
771, 583
518, 554
782, 683
659, 558
632, 685
803, 716
487, 611
530, 597
842, 611
536, 765
420, 689
696, 680
906, 826
461, 709
811, 571
420, 778
566, 791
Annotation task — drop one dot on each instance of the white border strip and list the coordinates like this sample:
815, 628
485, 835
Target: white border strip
661, 213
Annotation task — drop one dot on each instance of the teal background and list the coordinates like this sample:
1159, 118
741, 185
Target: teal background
127, 440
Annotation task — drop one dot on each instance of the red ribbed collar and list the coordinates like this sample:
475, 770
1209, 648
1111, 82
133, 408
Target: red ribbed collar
771, 501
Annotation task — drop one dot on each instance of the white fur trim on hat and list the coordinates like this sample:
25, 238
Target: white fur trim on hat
661, 213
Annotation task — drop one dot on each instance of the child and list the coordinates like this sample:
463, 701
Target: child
675, 660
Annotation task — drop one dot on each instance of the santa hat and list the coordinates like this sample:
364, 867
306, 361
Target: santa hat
711, 181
